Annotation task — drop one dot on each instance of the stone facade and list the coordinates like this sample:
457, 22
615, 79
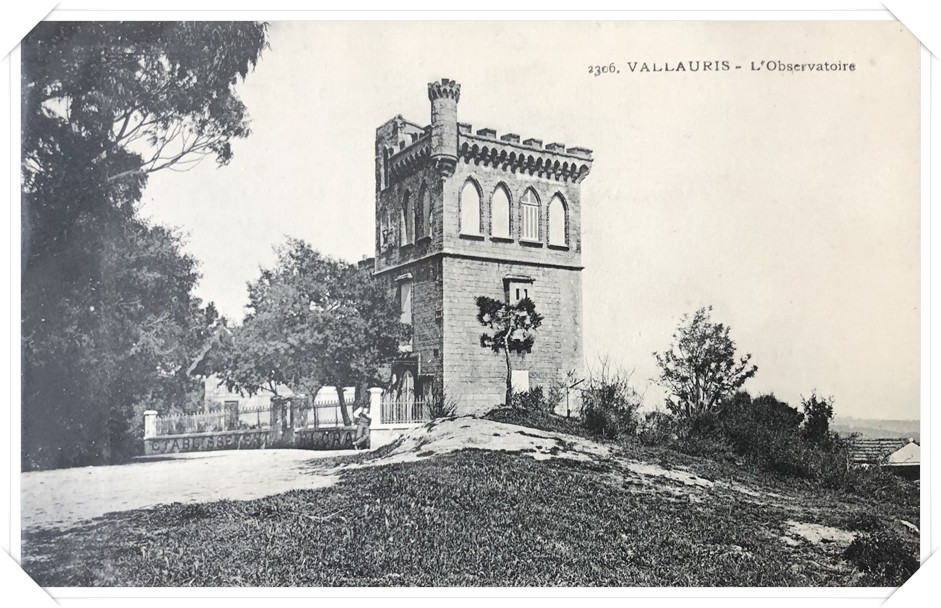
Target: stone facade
461, 214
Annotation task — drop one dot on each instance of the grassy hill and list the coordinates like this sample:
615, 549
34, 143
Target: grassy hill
476, 502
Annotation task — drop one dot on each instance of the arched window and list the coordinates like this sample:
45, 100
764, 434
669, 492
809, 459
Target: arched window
470, 209
500, 213
408, 221
557, 221
529, 216
383, 228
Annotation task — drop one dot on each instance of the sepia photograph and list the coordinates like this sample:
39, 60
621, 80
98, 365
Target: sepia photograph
455, 303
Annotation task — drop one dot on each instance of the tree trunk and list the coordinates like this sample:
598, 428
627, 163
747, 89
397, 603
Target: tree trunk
509, 376
341, 398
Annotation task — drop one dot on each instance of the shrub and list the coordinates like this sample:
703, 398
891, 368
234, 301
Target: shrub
862, 522
658, 428
441, 405
883, 558
610, 403
532, 400
765, 431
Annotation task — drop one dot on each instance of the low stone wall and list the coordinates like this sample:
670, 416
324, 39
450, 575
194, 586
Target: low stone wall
339, 438
207, 442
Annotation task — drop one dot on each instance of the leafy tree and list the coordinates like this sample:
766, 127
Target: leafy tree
701, 369
818, 412
109, 320
313, 321
90, 362
512, 328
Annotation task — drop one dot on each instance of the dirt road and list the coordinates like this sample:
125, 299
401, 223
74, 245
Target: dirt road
66, 496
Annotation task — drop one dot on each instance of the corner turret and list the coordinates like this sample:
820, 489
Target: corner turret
444, 96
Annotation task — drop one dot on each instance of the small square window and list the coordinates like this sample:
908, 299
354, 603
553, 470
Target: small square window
518, 290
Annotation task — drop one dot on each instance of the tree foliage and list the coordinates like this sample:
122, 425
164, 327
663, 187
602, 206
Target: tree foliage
313, 321
109, 320
818, 413
609, 402
701, 369
512, 328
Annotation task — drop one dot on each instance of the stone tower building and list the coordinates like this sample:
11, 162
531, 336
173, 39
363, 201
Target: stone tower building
462, 213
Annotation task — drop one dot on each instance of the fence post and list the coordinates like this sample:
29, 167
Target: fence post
375, 404
150, 424
275, 413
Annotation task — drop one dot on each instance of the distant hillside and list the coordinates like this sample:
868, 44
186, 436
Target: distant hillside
874, 428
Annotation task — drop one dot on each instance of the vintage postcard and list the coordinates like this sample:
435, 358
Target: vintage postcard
470, 303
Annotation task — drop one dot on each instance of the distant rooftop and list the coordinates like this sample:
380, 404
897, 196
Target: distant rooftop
875, 451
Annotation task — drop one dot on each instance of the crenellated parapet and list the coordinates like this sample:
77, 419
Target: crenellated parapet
553, 161
410, 159
404, 148
444, 88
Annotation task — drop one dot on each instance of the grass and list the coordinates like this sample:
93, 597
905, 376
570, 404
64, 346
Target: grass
470, 518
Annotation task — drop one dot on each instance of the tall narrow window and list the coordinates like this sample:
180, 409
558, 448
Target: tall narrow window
470, 209
529, 216
408, 221
557, 221
404, 285
429, 214
423, 213
500, 213
405, 302
383, 228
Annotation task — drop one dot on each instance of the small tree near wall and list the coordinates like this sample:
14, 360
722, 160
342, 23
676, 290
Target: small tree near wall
512, 328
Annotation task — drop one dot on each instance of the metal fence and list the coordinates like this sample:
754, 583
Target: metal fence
291, 413
235, 417
181, 424
403, 410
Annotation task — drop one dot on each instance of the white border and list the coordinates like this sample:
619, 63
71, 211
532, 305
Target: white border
845, 11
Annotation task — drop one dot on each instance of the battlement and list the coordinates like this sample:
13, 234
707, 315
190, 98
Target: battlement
466, 131
444, 88
404, 147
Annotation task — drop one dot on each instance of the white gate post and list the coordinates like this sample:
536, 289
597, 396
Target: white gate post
150, 424
375, 404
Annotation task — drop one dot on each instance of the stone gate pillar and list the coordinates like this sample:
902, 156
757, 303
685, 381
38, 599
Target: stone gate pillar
150, 424
375, 404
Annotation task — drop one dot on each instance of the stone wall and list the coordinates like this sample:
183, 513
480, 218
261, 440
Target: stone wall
207, 442
477, 377
427, 309
449, 269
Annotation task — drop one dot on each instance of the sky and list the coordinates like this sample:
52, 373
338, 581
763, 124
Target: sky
788, 201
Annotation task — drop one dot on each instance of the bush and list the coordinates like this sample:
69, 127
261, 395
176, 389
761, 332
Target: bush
441, 405
534, 400
658, 428
862, 522
883, 558
610, 403
766, 432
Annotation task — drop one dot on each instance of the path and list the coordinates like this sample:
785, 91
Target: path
65, 496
